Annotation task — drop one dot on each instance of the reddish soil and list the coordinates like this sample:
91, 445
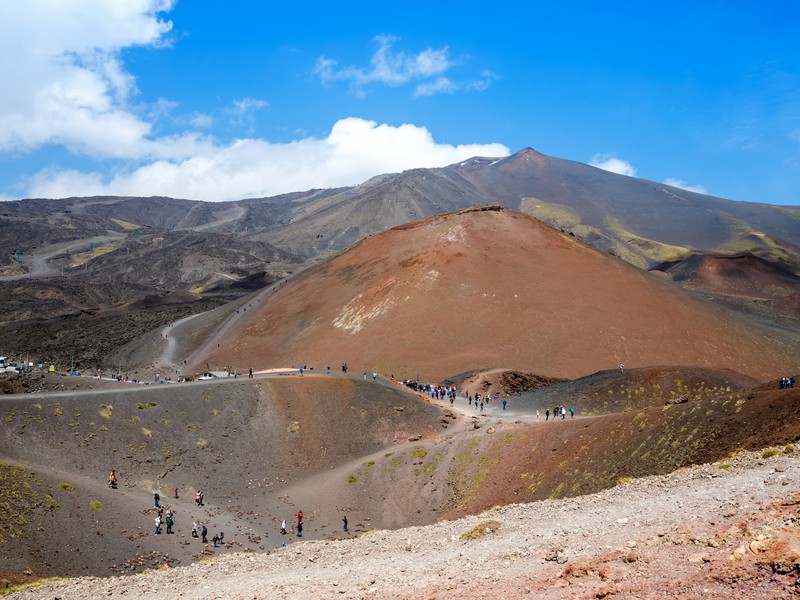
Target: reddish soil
487, 288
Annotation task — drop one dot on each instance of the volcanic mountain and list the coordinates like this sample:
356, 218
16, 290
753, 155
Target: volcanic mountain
642, 221
482, 288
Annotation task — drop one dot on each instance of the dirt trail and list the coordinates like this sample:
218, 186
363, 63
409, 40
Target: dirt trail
38, 260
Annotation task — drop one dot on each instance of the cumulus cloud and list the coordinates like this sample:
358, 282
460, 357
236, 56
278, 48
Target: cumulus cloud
69, 86
354, 151
62, 61
680, 183
610, 162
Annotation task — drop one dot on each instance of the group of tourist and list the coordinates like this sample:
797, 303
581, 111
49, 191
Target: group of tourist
559, 411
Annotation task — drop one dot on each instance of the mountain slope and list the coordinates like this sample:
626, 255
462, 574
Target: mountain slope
642, 221
489, 288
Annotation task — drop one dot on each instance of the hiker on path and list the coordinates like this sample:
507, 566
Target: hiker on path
158, 524
571, 412
170, 522
283, 527
374, 376
215, 540
194, 529
547, 415
250, 373
112, 480
344, 521
176, 493
505, 401
198, 498
299, 516
156, 499
299, 530
204, 534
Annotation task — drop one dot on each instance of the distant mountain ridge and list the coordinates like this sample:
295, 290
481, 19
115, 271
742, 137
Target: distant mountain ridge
643, 222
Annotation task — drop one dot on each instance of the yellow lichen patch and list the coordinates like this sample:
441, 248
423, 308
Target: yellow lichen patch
556, 215
125, 225
83, 257
482, 529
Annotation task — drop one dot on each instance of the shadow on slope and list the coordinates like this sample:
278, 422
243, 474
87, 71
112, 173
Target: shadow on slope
244, 443
570, 457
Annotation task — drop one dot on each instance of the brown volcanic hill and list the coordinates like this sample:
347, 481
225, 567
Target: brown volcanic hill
489, 288
740, 274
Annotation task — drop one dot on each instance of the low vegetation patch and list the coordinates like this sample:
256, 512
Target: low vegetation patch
28, 586
419, 452
482, 529
95, 504
67, 487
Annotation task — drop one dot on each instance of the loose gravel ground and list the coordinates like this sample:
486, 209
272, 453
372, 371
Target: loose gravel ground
718, 530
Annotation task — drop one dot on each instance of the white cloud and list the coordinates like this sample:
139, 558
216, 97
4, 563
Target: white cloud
63, 62
69, 87
200, 120
609, 162
248, 105
387, 66
354, 151
441, 85
394, 68
680, 183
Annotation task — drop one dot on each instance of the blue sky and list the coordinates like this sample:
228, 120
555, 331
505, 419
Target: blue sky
228, 100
